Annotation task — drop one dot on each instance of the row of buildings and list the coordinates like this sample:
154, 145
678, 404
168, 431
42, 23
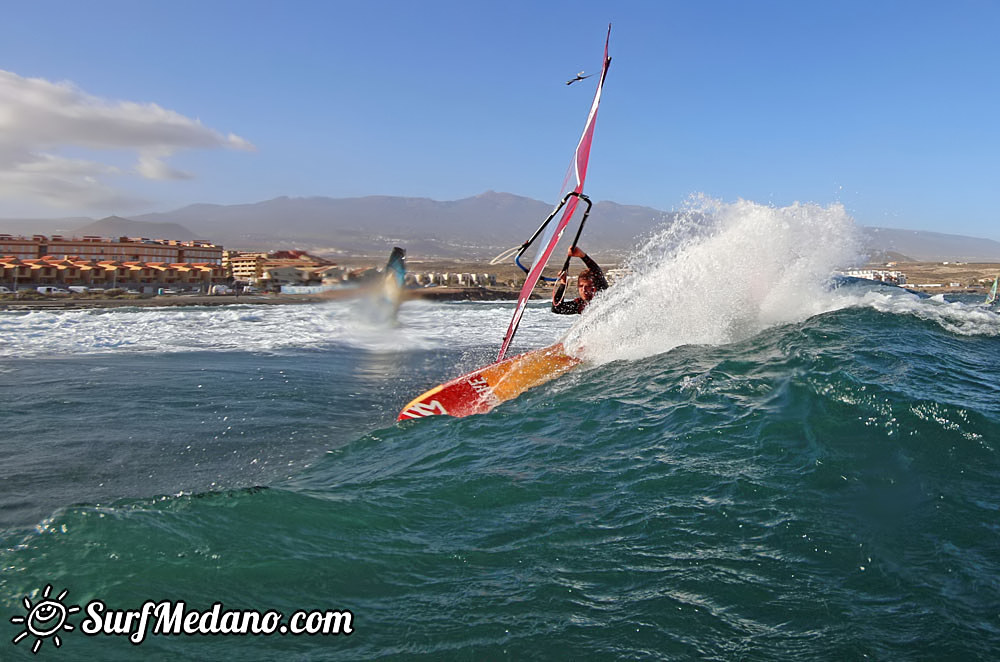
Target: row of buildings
955, 280
149, 264
70, 271
122, 249
451, 279
105, 263
300, 269
891, 277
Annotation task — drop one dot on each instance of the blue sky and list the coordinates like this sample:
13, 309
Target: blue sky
890, 108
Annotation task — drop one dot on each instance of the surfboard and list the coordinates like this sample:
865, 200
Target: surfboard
480, 391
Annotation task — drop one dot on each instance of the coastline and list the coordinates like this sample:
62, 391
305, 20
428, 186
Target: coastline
424, 294
925, 277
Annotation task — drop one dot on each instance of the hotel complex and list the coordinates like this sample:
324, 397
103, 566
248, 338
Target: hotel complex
132, 249
99, 262
149, 265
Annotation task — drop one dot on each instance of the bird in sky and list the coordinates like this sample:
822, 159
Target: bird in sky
579, 76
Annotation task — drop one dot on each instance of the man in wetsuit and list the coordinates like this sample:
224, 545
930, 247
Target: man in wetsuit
590, 281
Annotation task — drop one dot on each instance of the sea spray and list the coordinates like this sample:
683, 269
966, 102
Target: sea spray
720, 273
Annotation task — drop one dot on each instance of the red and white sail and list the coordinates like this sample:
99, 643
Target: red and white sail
578, 171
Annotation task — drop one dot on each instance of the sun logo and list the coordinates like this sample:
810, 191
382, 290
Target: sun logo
45, 619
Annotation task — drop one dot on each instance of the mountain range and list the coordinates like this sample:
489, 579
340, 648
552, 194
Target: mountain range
477, 227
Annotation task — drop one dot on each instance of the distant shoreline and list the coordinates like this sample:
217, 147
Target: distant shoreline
421, 294
918, 274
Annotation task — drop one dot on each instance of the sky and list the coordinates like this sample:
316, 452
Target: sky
889, 108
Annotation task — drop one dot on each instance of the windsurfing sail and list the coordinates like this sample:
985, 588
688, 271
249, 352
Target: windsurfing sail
388, 297
395, 268
991, 298
553, 231
381, 294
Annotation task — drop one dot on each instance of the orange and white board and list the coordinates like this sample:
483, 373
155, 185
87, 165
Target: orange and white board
480, 391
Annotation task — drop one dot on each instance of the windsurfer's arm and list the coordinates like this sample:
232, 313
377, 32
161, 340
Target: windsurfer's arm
600, 282
567, 307
559, 306
558, 291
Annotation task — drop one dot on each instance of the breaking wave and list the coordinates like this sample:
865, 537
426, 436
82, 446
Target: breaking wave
724, 272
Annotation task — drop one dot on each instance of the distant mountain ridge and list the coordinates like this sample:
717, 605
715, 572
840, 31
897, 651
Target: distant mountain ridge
116, 226
476, 227
479, 226
932, 246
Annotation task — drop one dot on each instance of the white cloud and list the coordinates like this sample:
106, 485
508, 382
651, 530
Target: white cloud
38, 118
152, 166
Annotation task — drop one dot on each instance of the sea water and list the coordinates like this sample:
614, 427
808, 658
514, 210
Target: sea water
754, 462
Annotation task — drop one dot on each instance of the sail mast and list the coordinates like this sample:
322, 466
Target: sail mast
581, 158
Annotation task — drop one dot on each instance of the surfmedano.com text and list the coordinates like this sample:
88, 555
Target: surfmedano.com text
174, 618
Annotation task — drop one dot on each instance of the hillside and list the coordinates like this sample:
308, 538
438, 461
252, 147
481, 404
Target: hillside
477, 227
116, 226
914, 245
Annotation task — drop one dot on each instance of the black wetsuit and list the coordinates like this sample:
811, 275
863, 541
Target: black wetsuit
577, 305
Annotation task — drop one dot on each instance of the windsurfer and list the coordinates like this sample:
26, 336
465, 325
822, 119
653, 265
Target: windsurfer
589, 282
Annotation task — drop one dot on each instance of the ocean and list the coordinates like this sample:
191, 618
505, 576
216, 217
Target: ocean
754, 462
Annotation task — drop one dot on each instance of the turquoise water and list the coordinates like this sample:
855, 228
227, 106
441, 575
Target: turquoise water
744, 468
821, 490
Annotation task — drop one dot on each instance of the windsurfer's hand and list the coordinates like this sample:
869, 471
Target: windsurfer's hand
575, 251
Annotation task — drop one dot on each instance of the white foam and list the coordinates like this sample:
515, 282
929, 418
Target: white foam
263, 328
720, 273
960, 318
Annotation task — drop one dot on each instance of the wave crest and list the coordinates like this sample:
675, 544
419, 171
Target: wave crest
720, 273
